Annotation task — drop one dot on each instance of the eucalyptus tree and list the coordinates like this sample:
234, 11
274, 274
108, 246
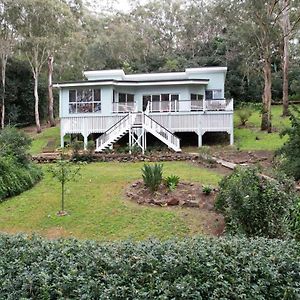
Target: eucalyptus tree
257, 24
290, 20
7, 42
40, 25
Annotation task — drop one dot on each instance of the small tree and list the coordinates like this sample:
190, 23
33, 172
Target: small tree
64, 171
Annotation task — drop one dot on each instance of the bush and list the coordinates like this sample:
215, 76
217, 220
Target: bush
206, 157
90, 147
152, 176
172, 182
244, 113
16, 178
206, 189
291, 149
225, 268
256, 206
15, 143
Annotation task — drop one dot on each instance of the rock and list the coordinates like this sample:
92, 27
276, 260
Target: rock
173, 201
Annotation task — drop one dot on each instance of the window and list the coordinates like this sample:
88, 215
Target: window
196, 102
84, 101
162, 102
123, 98
213, 94
195, 97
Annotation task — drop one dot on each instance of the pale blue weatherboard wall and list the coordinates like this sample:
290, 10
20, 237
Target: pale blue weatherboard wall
216, 81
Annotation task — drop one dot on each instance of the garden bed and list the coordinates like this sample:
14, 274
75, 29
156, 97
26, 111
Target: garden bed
186, 195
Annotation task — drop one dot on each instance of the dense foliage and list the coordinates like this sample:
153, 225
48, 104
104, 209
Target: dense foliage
256, 206
14, 143
291, 149
227, 268
17, 173
156, 36
15, 178
152, 176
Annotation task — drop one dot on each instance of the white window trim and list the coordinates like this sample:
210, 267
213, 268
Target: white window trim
85, 102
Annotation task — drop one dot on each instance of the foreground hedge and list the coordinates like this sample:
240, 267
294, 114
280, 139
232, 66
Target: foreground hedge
229, 268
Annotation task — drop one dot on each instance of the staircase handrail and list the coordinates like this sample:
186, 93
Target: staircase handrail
115, 125
175, 139
159, 124
106, 135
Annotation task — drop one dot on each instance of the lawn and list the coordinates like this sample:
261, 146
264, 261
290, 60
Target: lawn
48, 139
98, 208
251, 138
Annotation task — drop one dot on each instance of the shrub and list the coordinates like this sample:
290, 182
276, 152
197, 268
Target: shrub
244, 113
206, 157
76, 147
256, 206
90, 147
291, 149
152, 176
295, 221
16, 178
172, 182
15, 143
201, 268
206, 189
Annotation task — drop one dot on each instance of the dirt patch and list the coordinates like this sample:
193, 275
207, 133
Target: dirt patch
259, 157
197, 208
55, 232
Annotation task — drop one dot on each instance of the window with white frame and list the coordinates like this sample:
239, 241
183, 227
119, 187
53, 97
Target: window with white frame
215, 94
84, 101
124, 98
196, 97
161, 102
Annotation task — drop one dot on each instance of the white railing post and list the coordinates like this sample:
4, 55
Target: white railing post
204, 103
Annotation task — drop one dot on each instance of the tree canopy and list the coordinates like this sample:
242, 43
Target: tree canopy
246, 36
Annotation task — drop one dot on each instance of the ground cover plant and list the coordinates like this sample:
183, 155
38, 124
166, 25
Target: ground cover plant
257, 206
199, 268
98, 208
17, 173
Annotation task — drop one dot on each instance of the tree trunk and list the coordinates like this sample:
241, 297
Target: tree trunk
50, 91
267, 96
3, 74
285, 67
36, 105
62, 196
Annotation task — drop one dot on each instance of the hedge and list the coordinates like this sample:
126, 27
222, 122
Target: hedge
16, 178
199, 268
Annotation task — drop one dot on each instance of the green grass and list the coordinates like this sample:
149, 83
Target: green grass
98, 208
251, 138
41, 140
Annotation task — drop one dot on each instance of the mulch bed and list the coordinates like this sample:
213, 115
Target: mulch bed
185, 195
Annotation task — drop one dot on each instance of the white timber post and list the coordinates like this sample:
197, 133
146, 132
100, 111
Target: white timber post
62, 142
204, 102
130, 140
85, 140
231, 138
199, 138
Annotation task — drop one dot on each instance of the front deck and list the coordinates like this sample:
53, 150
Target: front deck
176, 116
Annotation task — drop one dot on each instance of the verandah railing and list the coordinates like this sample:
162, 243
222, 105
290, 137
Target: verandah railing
177, 106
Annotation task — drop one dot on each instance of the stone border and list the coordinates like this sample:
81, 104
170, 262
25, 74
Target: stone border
154, 157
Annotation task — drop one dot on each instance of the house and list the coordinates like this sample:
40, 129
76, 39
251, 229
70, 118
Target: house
113, 104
